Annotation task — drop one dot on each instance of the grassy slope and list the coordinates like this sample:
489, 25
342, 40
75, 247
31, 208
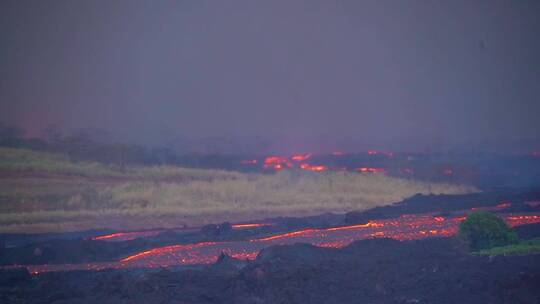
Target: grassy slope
28, 161
45, 192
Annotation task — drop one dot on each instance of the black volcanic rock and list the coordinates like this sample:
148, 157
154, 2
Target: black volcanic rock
368, 271
446, 204
228, 264
11, 277
217, 230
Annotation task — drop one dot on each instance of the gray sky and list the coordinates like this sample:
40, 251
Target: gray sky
313, 73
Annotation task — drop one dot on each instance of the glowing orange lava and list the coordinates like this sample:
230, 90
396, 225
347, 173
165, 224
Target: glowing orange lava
167, 249
126, 236
407, 227
251, 225
301, 157
503, 205
370, 170
522, 220
285, 235
277, 163
318, 168
131, 235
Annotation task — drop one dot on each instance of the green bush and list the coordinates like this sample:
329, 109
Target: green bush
483, 230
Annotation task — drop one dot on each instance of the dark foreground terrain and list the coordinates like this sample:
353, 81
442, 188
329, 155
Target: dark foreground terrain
368, 271
372, 270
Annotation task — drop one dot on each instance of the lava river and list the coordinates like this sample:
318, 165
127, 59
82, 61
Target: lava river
406, 227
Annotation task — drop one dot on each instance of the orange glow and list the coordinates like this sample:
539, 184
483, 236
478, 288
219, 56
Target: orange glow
301, 157
277, 163
338, 153
522, 220
460, 219
285, 235
503, 205
126, 236
166, 249
313, 168
254, 225
370, 170
372, 152
245, 255
407, 227
369, 224
249, 162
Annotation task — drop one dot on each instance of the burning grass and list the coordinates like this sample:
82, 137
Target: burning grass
79, 196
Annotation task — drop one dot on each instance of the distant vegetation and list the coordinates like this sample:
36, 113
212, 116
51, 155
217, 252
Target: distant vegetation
44, 192
28, 161
486, 234
483, 230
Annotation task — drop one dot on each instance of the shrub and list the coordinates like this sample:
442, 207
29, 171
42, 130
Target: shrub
483, 230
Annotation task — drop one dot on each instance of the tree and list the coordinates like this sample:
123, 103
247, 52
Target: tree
484, 230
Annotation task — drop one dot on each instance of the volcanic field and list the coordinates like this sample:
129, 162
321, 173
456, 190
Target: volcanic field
238, 248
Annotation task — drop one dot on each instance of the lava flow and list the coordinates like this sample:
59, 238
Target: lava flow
370, 170
277, 163
406, 227
126, 236
132, 235
250, 225
317, 168
301, 157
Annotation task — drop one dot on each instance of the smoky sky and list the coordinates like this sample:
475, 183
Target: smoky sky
376, 72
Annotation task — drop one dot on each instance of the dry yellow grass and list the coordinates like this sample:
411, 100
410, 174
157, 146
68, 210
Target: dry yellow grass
24, 160
150, 204
81, 195
283, 192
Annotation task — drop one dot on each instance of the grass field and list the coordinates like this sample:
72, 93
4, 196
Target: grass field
41, 192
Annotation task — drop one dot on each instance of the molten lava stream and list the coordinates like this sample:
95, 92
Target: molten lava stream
250, 225
126, 236
317, 168
301, 157
277, 163
407, 227
370, 170
131, 235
